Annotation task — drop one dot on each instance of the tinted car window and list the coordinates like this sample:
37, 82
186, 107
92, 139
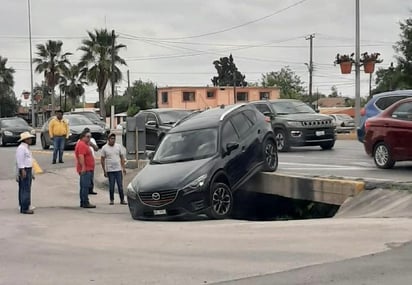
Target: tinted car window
251, 116
78, 120
403, 112
171, 117
384, 103
263, 108
150, 117
291, 107
241, 124
229, 134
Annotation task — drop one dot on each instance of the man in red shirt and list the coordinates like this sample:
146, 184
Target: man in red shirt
85, 167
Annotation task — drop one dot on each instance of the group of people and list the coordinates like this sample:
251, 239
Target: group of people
112, 161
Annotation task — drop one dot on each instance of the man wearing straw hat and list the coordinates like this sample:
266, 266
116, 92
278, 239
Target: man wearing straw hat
24, 161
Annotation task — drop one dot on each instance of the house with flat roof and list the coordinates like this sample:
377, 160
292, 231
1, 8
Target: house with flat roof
199, 98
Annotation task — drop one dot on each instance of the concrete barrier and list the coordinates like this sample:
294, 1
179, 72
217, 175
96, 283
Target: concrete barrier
323, 190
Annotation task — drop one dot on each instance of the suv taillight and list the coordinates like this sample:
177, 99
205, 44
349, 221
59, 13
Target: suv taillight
367, 125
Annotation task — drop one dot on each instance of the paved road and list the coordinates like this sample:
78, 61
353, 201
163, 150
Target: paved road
64, 244
391, 267
347, 159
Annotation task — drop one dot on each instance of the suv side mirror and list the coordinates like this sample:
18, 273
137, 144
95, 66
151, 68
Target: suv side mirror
231, 147
317, 111
150, 154
268, 114
151, 124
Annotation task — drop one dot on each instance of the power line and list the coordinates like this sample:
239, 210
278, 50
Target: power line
234, 27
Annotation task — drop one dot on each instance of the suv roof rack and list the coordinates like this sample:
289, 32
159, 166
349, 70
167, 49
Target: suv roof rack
231, 110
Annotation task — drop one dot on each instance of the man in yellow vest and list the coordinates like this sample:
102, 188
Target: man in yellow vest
59, 132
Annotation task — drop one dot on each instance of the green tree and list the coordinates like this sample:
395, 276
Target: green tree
398, 76
120, 103
72, 84
8, 100
96, 61
142, 95
227, 73
289, 83
333, 92
52, 62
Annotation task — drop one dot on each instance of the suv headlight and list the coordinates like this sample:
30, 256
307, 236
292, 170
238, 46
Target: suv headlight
294, 123
131, 191
8, 133
197, 183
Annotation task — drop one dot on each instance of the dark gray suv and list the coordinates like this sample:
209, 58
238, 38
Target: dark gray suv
297, 124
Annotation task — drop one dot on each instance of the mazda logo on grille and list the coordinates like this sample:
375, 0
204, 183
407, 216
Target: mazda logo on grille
156, 196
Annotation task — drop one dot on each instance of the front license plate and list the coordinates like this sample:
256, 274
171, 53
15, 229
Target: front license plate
159, 212
320, 133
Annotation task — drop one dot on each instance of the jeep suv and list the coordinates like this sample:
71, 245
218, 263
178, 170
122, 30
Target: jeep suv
201, 162
297, 124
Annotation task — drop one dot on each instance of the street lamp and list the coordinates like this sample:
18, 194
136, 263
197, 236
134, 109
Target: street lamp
33, 119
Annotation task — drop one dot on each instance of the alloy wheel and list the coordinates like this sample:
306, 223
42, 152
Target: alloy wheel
271, 155
381, 155
221, 201
280, 140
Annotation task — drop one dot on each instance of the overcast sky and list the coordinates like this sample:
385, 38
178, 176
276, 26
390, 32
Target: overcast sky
174, 42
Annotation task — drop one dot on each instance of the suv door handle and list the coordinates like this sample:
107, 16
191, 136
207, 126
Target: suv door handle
243, 148
259, 131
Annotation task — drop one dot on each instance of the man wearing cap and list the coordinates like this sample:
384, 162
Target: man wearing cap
58, 132
113, 164
24, 161
85, 167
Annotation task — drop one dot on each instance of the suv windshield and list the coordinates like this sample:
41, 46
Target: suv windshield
185, 146
14, 123
78, 120
91, 116
171, 117
291, 107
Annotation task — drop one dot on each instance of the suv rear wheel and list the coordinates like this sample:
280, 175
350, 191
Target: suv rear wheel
270, 154
221, 201
281, 141
382, 156
44, 145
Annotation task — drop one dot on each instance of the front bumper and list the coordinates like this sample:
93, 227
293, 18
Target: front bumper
184, 204
311, 137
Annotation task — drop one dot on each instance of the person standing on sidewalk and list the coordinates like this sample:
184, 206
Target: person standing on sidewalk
93, 148
58, 132
85, 167
24, 161
113, 164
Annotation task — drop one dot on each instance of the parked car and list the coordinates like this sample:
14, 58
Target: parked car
297, 124
201, 162
378, 104
158, 123
77, 123
11, 128
92, 116
389, 135
343, 122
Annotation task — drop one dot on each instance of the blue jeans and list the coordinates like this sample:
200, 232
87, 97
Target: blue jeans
58, 147
25, 191
115, 177
85, 181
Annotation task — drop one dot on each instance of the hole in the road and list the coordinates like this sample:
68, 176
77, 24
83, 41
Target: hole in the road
263, 207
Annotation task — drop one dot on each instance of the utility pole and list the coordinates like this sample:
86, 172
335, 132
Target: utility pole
128, 88
33, 118
370, 85
156, 98
113, 76
234, 87
310, 67
357, 66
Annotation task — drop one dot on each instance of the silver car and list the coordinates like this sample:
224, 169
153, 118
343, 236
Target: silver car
343, 122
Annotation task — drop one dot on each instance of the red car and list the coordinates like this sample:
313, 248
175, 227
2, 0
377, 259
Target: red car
389, 135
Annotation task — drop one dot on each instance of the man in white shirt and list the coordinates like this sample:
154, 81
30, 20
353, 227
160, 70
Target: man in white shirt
24, 161
113, 164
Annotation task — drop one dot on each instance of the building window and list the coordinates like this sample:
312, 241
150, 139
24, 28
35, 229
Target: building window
188, 96
210, 94
264, 95
165, 98
241, 96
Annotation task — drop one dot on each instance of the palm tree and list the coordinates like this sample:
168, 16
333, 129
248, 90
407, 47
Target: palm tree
96, 61
72, 82
7, 99
52, 62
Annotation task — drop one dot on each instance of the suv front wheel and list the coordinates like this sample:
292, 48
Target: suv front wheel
282, 141
221, 201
